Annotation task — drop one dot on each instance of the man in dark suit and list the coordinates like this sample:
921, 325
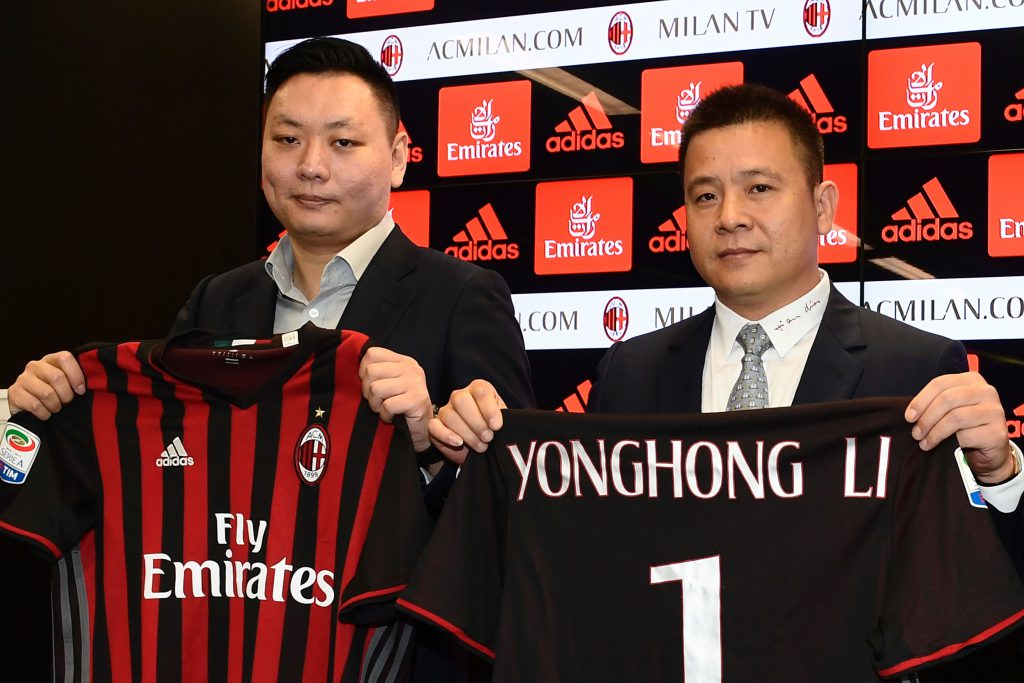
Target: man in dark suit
756, 204
332, 152
753, 238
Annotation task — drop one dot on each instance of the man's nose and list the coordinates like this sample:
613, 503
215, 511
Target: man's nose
732, 213
313, 163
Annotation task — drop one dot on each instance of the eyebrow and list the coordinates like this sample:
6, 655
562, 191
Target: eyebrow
332, 125
745, 174
755, 172
702, 180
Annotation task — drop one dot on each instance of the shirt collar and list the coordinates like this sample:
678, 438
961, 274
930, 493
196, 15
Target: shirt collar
356, 256
785, 326
362, 250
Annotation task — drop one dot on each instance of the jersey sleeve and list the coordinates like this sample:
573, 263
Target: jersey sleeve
390, 528
951, 586
457, 584
50, 484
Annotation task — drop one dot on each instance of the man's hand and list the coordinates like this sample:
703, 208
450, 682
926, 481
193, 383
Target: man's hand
394, 384
968, 406
470, 419
47, 385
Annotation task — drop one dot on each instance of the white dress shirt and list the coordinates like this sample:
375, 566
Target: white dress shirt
339, 279
792, 330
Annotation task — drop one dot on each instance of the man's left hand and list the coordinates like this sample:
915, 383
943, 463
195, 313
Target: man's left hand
966, 405
394, 384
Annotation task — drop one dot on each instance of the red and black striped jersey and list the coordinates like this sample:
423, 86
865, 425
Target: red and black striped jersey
806, 544
214, 506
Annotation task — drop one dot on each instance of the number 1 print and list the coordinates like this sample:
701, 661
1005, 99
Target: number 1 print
702, 616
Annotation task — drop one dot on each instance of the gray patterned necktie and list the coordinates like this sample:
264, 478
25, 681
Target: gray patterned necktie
751, 388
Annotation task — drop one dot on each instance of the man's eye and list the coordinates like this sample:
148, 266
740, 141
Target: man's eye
760, 188
706, 197
288, 139
343, 142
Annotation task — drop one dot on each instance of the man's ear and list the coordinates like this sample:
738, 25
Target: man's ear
826, 199
399, 157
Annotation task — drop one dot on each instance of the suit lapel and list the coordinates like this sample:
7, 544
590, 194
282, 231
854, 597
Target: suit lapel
679, 387
384, 290
832, 372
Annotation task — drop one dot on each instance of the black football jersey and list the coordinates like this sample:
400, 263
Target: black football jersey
806, 544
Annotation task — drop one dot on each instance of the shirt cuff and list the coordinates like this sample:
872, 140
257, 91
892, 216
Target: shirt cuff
1006, 496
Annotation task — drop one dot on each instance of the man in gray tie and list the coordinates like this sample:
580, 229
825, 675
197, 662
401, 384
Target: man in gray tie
779, 333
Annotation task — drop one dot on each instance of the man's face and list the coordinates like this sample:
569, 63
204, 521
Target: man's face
329, 162
753, 218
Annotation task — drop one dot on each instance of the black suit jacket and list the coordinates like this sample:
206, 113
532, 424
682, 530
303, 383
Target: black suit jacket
857, 353
454, 318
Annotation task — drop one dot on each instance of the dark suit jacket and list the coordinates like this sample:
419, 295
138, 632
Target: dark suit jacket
857, 354
454, 318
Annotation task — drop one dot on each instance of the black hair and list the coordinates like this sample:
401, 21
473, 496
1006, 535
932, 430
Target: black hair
335, 56
748, 103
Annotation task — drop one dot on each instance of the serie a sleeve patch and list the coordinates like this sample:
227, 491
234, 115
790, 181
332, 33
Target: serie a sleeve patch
18, 450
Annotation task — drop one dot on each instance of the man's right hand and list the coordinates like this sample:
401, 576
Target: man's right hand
47, 385
469, 419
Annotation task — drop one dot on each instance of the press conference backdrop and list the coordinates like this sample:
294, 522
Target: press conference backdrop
544, 146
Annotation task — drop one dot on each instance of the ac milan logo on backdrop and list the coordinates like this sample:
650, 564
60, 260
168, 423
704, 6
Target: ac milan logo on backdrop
817, 15
620, 33
391, 54
616, 319
311, 453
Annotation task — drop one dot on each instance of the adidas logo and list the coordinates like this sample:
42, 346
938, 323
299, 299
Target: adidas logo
586, 128
175, 455
811, 97
672, 234
285, 5
1015, 110
576, 402
929, 217
483, 239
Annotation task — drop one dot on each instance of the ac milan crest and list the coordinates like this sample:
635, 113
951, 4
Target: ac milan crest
311, 454
391, 54
817, 15
620, 33
616, 319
